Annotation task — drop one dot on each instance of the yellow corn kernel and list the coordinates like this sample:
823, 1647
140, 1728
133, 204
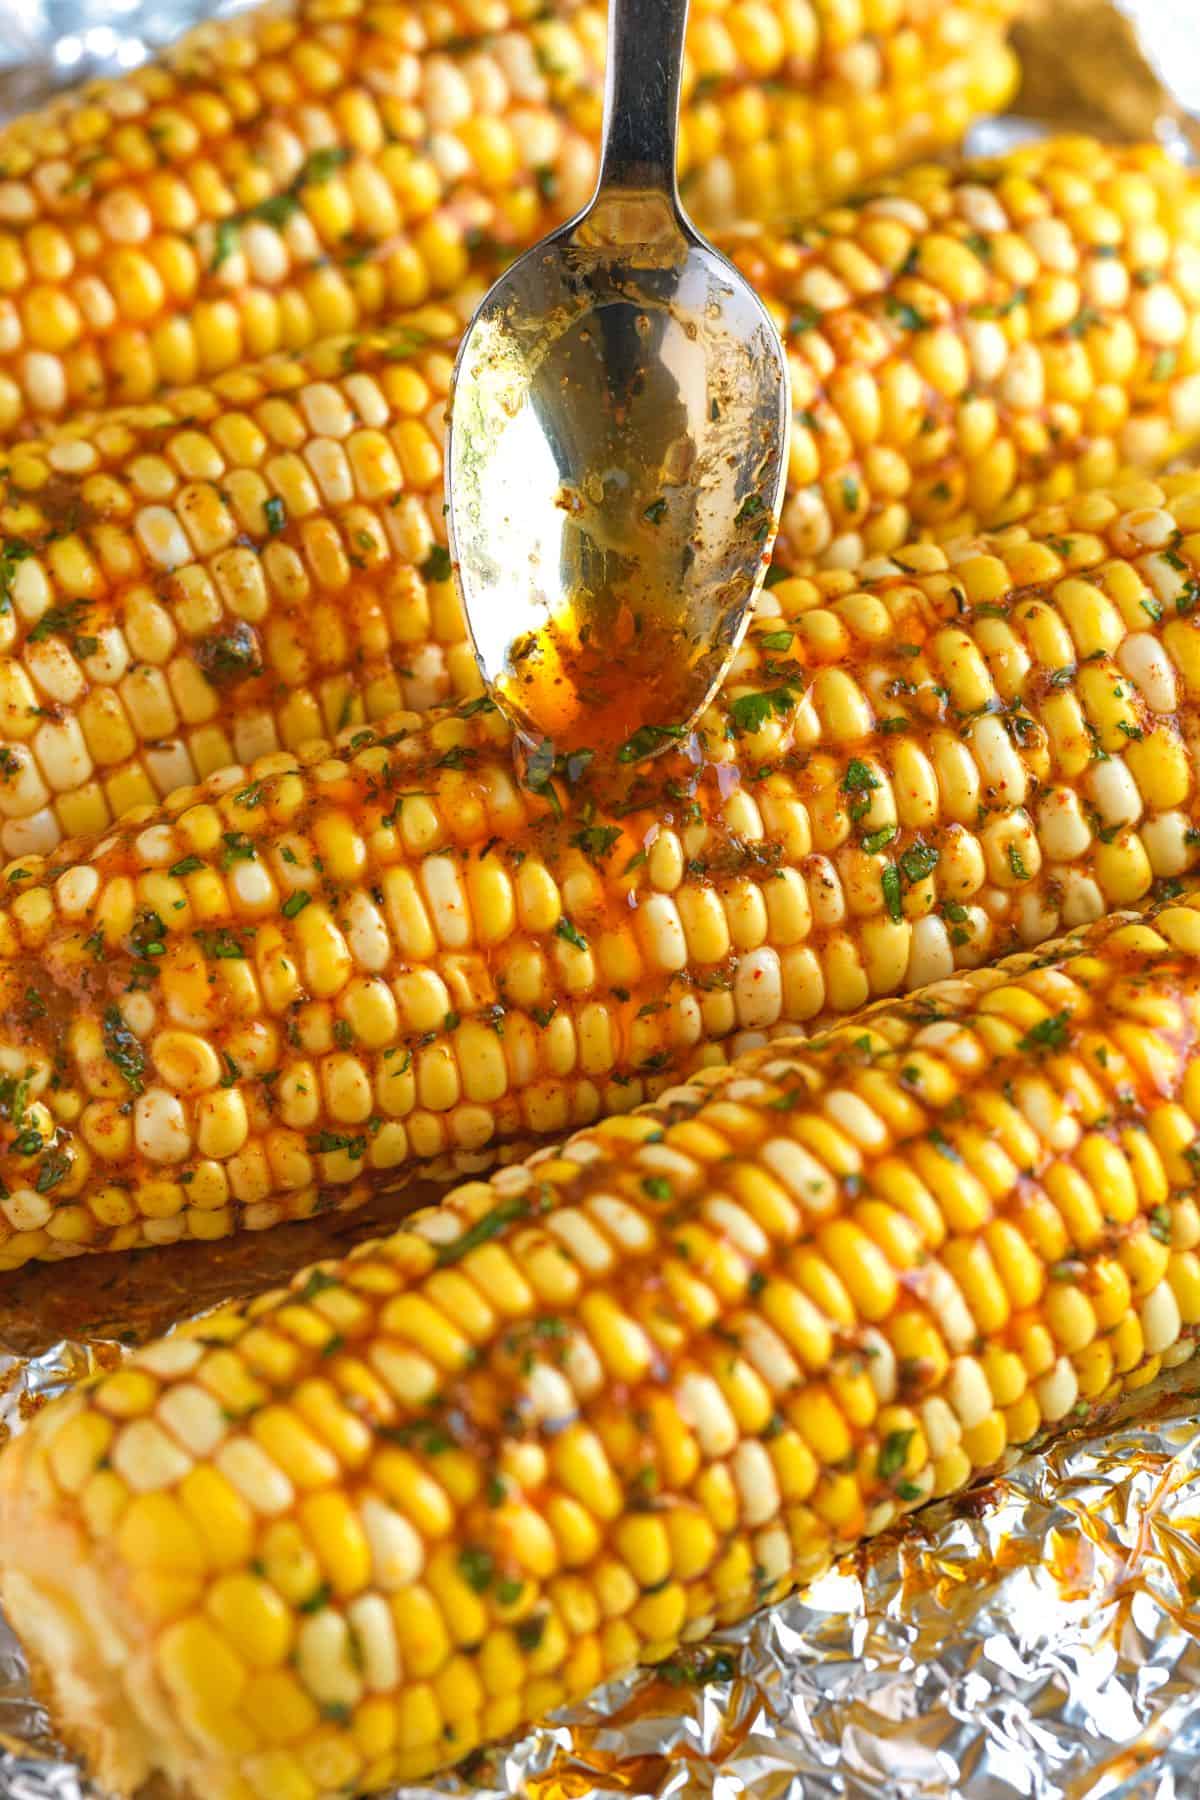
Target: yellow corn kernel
254, 1618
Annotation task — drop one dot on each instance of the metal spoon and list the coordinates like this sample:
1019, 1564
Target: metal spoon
617, 442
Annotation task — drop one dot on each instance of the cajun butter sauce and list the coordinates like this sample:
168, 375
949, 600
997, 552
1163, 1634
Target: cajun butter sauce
631, 648
596, 681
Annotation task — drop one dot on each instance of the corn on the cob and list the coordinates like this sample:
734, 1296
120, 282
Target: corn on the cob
189, 584
972, 341
291, 985
288, 520
282, 177
336, 1537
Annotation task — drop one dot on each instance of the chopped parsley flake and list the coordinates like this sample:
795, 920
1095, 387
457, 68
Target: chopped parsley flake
123, 1049
596, 841
1048, 1034
750, 712
437, 564
917, 863
647, 740
889, 881
321, 164
483, 1230
894, 1454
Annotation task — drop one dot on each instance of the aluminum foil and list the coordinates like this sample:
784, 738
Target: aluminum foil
47, 44
1039, 1638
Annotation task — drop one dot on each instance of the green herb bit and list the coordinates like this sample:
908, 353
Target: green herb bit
1016, 863
490, 1225
225, 242
596, 841
572, 934
321, 164
326, 1143
750, 712
123, 1049
1051, 1033
437, 565
647, 740
894, 1454
918, 862
889, 881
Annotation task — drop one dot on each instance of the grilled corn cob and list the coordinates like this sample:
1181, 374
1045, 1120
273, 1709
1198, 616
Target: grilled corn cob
282, 177
970, 341
188, 584
336, 1537
295, 983
243, 566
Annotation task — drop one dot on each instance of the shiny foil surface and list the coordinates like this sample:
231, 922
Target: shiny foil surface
1037, 1639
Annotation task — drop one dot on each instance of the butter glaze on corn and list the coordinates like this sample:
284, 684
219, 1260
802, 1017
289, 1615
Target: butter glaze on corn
292, 174
301, 980
288, 518
569, 1420
971, 340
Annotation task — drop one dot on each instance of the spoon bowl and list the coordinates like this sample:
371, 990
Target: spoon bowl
616, 453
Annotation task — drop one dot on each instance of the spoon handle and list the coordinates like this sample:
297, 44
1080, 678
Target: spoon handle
641, 100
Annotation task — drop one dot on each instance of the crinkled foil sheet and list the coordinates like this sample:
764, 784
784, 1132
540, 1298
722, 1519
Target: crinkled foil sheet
1037, 1640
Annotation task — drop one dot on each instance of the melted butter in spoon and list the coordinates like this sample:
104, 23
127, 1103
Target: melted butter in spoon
616, 457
